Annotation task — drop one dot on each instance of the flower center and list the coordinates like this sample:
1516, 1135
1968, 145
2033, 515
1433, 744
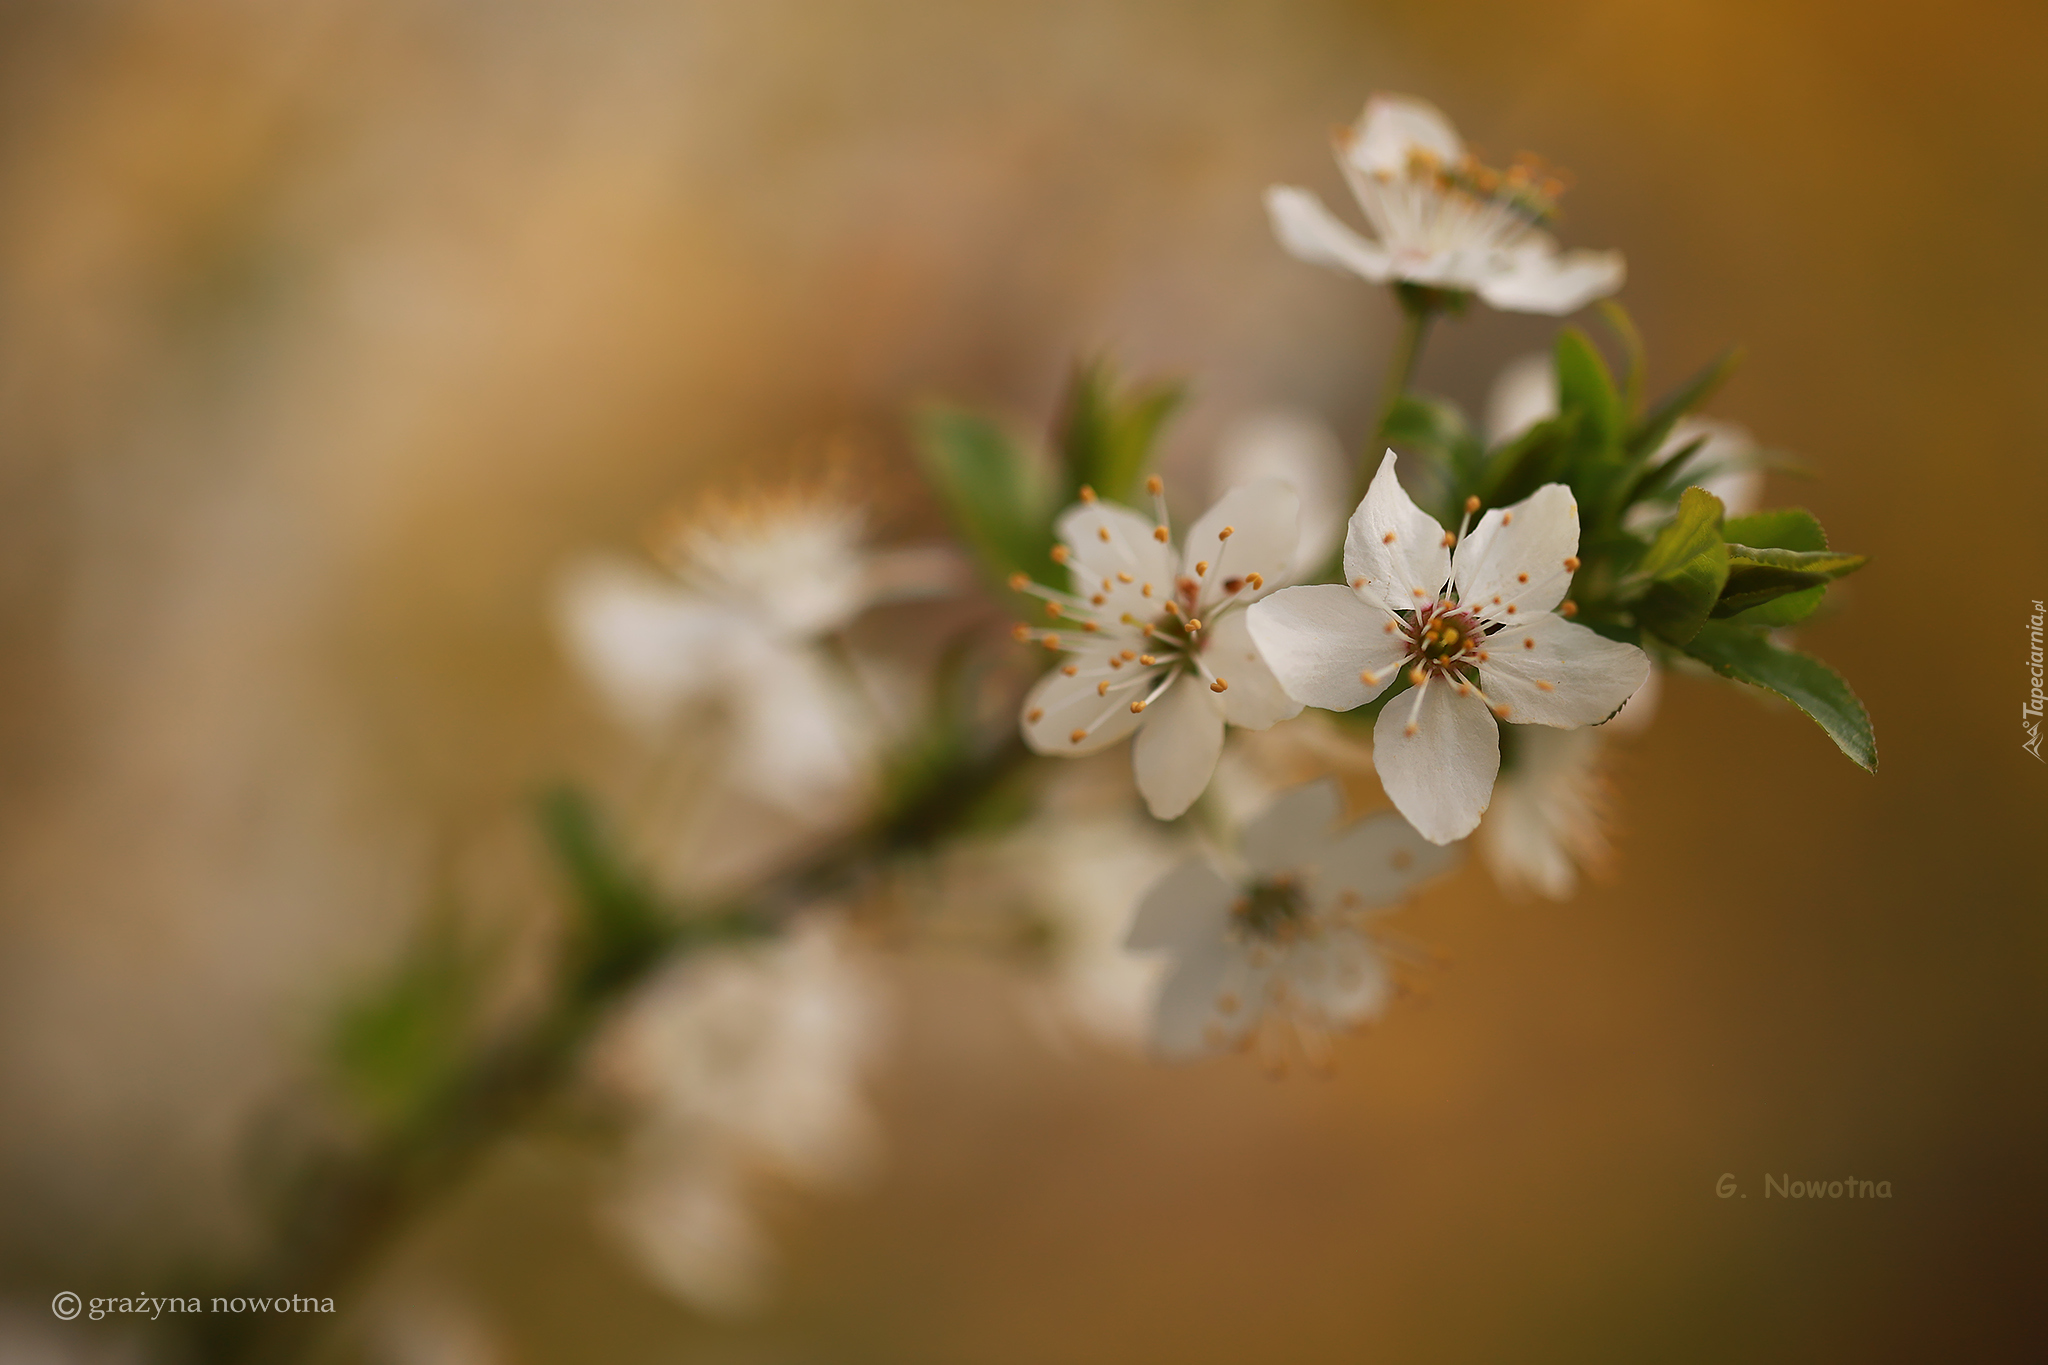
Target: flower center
1274, 908
1445, 638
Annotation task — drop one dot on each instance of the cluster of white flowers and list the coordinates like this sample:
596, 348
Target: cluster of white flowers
1172, 930
740, 1063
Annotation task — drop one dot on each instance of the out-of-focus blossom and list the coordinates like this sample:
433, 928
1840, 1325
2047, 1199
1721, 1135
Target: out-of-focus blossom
741, 1061
1411, 608
1302, 452
688, 1222
1526, 393
1548, 820
1157, 642
433, 1330
1441, 219
1278, 947
1086, 875
738, 630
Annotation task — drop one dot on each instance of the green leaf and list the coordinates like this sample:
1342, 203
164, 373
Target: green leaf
1656, 424
994, 494
397, 1045
620, 924
1624, 328
1536, 457
1107, 430
1784, 528
1687, 564
1757, 575
1584, 386
1788, 610
1744, 654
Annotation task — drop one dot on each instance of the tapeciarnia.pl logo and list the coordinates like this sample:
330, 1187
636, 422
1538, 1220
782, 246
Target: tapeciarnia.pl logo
2030, 714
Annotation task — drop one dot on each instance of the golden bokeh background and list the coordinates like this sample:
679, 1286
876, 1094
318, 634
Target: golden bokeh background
329, 332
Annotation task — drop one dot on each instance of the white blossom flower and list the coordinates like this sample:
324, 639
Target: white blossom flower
1280, 950
1441, 219
1302, 452
1412, 608
1548, 820
757, 589
1526, 393
1157, 640
740, 1061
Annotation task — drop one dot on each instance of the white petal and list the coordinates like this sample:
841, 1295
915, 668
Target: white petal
1640, 709
1312, 233
1064, 704
1177, 747
1524, 394
801, 744
1538, 280
1188, 906
1441, 775
1342, 977
1546, 820
1303, 452
1551, 671
646, 643
1378, 861
1322, 641
1294, 832
1254, 698
1393, 129
1395, 546
1515, 557
1188, 1022
1109, 542
1264, 521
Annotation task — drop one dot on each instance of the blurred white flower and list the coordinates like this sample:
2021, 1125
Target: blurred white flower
1548, 820
433, 1329
1088, 874
1441, 219
741, 1061
1160, 648
1279, 949
1526, 393
757, 590
689, 1225
1302, 452
1411, 607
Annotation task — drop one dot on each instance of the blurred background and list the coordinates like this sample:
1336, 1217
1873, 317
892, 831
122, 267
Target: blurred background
330, 332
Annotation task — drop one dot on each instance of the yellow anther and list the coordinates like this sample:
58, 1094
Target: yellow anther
1102, 688
1506, 517
1201, 567
1387, 539
1416, 675
1358, 582
1097, 600
1034, 715
1087, 493
1137, 706
1368, 677
1502, 711
1148, 659
1482, 656
1567, 608
1019, 581
1389, 628
1471, 505
1127, 656
1102, 533
1226, 533
1077, 736
1155, 485
1220, 685
1521, 578
1070, 669
1053, 609
1122, 577
1545, 687
1528, 644
1449, 540
1090, 626
1256, 580
1194, 624
1116, 661
1145, 590
1171, 608
1410, 729
1060, 553
1161, 534
1511, 608
1049, 641
1571, 563
1020, 633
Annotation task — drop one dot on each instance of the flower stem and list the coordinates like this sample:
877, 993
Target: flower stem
1418, 310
